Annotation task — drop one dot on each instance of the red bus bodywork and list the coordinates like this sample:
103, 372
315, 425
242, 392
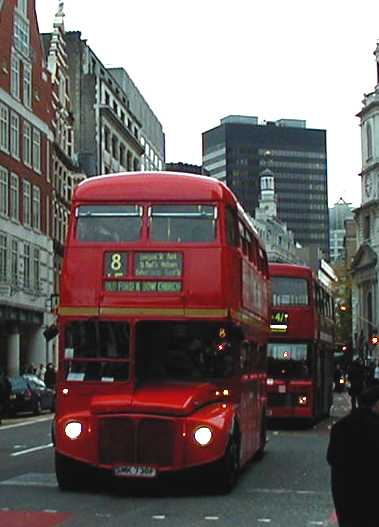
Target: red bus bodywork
300, 352
222, 285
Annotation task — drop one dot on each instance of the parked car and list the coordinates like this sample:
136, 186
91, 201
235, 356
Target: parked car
30, 394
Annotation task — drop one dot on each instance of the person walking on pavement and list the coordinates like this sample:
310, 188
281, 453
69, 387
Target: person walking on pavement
5, 391
50, 376
353, 455
356, 376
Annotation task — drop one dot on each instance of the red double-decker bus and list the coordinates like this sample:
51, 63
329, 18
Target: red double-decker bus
163, 326
301, 347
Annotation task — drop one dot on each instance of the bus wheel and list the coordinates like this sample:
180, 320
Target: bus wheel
228, 467
68, 473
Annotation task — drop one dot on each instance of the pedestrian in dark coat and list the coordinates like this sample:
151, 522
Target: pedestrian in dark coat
50, 375
5, 391
353, 455
356, 376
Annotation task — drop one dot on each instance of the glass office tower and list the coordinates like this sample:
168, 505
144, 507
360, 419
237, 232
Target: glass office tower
239, 149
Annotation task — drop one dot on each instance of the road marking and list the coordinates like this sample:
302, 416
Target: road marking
159, 517
212, 518
26, 423
264, 520
34, 449
32, 479
288, 491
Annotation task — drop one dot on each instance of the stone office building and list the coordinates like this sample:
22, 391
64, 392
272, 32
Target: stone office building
106, 131
365, 266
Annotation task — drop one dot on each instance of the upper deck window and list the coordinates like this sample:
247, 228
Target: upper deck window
183, 223
108, 223
288, 291
231, 223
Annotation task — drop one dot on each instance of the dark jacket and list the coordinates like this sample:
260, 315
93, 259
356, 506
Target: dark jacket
353, 454
356, 377
5, 391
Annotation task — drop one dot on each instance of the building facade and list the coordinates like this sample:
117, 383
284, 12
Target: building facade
106, 131
279, 241
186, 167
65, 174
338, 214
365, 267
236, 153
151, 133
26, 247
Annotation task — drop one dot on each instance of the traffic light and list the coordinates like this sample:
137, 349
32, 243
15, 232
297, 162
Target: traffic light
374, 339
344, 348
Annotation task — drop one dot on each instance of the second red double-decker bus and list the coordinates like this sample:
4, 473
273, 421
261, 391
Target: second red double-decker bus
164, 321
300, 352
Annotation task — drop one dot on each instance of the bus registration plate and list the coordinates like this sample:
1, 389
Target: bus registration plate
135, 471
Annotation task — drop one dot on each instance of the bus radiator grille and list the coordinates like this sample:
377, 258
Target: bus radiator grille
281, 399
116, 441
155, 442
140, 441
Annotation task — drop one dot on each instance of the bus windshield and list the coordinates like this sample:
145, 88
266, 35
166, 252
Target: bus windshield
288, 360
178, 351
96, 351
183, 223
108, 223
287, 291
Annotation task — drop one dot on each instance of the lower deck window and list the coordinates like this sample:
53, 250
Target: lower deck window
289, 360
185, 351
96, 351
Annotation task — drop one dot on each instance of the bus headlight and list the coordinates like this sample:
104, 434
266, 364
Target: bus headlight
302, 400
203, 435
73, 429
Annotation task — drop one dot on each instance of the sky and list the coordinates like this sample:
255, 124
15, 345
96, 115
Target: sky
200, 60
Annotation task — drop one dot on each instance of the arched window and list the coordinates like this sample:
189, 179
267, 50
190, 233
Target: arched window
369, 140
